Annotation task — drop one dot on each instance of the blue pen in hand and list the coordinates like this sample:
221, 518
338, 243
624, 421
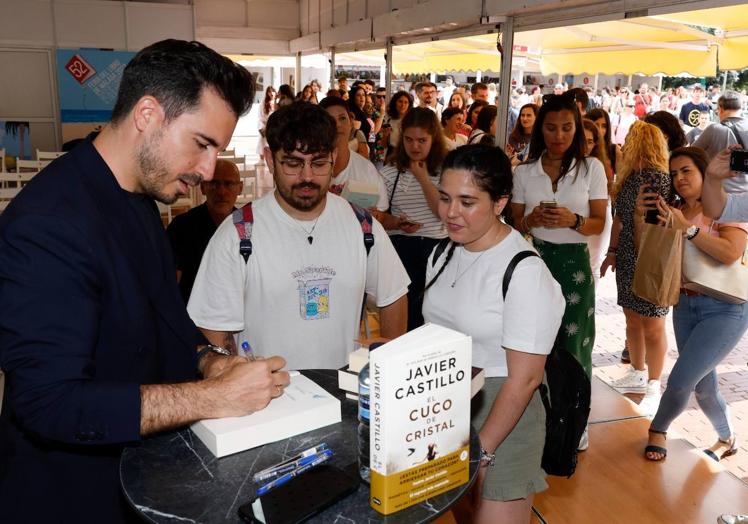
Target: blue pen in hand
319, 459
248, 351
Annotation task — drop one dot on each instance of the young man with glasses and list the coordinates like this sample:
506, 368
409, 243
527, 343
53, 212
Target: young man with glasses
190, 232
299, 292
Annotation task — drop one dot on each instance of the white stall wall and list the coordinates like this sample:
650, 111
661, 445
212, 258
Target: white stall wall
31, 30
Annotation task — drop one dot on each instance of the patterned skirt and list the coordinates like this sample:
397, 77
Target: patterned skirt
570, 266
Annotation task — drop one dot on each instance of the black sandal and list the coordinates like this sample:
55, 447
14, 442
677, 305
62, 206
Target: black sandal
729, 452
651, 448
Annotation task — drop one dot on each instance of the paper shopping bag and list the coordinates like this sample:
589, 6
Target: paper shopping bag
657, 276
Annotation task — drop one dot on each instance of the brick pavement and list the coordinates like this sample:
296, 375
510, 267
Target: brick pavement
691, 424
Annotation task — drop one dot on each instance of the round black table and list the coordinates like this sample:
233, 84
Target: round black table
173, 477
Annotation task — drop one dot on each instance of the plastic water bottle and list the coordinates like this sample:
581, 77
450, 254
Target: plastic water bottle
364, 419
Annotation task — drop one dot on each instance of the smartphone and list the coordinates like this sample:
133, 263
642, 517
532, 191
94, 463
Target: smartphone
548, 204
739, 160
653, 181
304, 496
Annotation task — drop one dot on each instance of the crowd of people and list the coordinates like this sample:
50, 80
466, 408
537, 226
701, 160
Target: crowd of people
584, 169
450, 213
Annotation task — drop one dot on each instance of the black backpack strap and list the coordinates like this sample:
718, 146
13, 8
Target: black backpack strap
439, 249
243, 220
729, 124
392, 193
519, 257
366, 221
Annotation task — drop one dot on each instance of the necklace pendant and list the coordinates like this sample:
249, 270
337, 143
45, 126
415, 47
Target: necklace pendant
310, 239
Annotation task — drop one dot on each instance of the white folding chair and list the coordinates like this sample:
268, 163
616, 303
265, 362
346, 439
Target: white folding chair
48, 155
227, 153
7, 195
27, 165
249, 187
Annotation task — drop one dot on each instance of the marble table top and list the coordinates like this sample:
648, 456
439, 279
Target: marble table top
173, 477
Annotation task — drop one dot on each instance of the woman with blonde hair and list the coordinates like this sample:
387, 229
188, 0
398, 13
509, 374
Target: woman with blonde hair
644, 168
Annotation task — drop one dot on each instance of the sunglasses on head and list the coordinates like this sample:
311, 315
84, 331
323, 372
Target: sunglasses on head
568, 95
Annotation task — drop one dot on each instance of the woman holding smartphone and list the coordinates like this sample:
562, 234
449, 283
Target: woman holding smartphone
645, 165
560, 196
412, 221
706, 329
511, 335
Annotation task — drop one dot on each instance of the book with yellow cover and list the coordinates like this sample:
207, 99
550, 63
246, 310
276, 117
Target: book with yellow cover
420, 417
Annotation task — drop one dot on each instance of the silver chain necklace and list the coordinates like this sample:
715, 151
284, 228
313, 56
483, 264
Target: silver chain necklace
310, 237
457, 270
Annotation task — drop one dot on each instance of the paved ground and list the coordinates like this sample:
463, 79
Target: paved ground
692, 424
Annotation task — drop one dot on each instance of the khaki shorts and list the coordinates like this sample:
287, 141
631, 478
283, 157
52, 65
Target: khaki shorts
517, 472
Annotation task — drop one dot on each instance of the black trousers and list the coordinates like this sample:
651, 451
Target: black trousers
414, 253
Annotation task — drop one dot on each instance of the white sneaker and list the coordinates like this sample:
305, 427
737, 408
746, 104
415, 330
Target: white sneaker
634, 381
651, 401
584, 442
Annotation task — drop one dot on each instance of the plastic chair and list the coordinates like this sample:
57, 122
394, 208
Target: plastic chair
48, 155
27, 165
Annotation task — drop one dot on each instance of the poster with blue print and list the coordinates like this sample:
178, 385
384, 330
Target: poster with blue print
88, 80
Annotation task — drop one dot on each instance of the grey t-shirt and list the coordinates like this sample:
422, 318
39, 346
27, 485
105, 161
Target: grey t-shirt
717, 137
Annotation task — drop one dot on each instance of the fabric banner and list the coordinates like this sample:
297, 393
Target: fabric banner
88, 80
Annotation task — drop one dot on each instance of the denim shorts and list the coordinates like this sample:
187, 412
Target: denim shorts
517, 472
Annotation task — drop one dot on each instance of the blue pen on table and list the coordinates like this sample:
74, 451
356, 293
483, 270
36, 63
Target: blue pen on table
248, 351
275, 469
319, 459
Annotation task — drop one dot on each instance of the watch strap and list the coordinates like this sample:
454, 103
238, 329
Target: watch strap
212, 348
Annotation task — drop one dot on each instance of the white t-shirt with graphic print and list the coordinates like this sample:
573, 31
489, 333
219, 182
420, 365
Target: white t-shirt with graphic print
298, 300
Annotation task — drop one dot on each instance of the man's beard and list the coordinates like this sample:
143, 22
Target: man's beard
155, 173
303, 204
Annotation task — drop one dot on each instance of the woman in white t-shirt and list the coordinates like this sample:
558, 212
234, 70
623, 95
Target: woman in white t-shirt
511, 335
452, 120
560, 197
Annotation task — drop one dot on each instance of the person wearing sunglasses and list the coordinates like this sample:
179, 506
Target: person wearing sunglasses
190, 232
300, 291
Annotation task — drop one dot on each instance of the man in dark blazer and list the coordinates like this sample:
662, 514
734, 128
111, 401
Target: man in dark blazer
97, 348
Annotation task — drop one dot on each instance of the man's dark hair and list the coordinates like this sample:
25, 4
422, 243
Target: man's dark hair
729, 101
381, 89
331, 101
303, 127
175, 72
476, 86
421, 85
370, 82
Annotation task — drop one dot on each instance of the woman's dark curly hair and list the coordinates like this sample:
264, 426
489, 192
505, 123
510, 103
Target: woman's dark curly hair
392, 106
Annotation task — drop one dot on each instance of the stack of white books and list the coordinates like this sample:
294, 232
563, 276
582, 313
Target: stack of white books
304, 406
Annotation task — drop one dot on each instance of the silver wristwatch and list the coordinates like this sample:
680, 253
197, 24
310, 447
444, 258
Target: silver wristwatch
211, 348
691, 232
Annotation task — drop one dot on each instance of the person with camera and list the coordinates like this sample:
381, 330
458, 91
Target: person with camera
718, 204
706, 328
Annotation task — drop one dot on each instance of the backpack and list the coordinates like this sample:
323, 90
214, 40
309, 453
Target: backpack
566, 399
244, 218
